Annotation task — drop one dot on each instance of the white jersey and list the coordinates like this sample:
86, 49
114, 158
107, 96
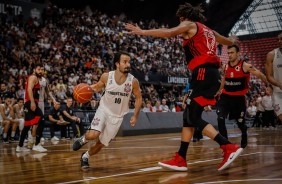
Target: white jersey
21, 111
43, 85
277, 68
115, 100
6, 112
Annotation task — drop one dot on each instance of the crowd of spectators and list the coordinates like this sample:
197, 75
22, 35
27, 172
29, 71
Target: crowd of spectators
77, 46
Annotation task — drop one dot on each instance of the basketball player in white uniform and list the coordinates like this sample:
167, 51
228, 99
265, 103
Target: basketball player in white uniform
273, 69
114, 104
19, 113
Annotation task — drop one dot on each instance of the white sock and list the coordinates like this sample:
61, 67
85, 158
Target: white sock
29, 134
4, 135
83, 139
13, 134
86, 155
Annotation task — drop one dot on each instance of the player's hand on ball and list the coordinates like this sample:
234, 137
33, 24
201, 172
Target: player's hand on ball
133, 120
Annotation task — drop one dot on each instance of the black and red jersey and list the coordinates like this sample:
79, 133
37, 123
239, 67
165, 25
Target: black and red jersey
201, 48
236, 80
35, 91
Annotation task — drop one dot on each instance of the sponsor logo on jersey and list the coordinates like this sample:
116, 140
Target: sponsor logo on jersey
127, 88
237, 68
232, 83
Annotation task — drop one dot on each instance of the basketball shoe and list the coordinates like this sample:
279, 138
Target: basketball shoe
177, 163
39, 148
84, 162
22, 149
78, 143
230, 153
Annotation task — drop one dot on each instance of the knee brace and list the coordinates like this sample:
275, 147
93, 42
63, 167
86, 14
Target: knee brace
186, 119
201, 124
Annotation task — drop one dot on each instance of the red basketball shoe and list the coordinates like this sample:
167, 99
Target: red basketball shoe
230, 153
177, 163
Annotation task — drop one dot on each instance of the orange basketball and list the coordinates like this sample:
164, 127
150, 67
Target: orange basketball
82, 93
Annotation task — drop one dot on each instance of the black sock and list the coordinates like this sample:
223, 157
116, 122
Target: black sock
221, 140
183, 149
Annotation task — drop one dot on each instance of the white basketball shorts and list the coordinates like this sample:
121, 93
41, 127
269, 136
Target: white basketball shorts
277, 102
106, 124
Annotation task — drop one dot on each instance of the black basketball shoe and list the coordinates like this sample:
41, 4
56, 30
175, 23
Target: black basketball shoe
78, 143
84, 162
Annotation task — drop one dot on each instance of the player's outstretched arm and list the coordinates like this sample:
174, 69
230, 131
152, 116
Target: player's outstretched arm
101, 83
138, 101
255, 72
224, 40
184, 26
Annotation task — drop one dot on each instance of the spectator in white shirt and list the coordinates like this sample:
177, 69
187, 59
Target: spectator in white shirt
267, 103
148, 107
252, 109
258, 121
157, 107
163, 106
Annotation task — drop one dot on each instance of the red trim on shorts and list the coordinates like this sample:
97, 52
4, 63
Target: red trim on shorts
200, 60
34, 121
204, 101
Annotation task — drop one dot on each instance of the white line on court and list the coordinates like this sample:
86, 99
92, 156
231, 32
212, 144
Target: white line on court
122, 174
231, 181
190, 163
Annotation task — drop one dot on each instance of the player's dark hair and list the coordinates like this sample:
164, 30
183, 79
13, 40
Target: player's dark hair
117, 57
192, 13
35, 65
234, 46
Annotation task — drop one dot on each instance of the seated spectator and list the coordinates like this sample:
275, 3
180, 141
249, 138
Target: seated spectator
4, 92
19, 113
57, 122
157, 107
148, 107
164, 107
67, 112
7, 118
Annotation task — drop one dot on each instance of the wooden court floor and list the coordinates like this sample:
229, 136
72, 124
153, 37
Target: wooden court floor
130, 160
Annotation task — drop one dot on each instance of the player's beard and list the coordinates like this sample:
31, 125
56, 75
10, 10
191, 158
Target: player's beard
39, 75
126, 70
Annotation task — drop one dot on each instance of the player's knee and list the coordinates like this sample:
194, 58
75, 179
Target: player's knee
201, 124
92, 134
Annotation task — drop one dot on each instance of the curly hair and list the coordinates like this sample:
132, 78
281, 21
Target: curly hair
190, 12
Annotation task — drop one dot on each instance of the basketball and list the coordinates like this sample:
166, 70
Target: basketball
82, 93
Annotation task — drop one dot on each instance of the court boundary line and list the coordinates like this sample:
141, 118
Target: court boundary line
158, 168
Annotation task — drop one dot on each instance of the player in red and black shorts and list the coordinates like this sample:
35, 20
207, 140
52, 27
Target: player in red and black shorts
33, 114
234, 86
199, 43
